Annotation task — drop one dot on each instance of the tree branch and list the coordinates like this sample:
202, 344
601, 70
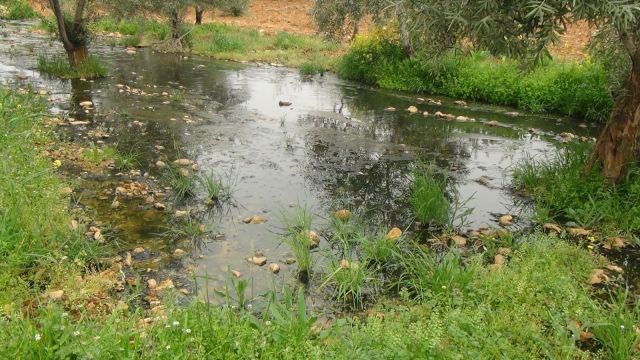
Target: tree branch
55, 5
77, 19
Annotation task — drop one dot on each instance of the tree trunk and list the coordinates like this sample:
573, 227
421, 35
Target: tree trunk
617, 146
406, 36
78, 55
199, 12
175, 25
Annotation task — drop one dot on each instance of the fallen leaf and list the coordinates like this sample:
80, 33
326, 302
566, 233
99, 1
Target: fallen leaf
615, 243
598, 277
552, 227
579, 231
236, 273
615, 268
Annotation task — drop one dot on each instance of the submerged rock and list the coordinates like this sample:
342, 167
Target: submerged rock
258, 260
412, 109
284, 103
257, 219
274, 268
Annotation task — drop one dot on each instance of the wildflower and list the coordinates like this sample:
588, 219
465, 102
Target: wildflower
57, 163
168, 347
76, 333
64, 314
37, 337
268, 323
175, 323
188, 331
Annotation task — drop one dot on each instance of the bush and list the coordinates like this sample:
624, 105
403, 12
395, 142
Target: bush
19, 10
59, 66
580, 90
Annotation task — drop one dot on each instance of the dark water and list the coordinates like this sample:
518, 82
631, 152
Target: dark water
336, 145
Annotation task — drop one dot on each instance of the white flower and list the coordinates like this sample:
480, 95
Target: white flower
268, 323
64, 314
76, 333
188, 331
37, 337
168, 347
622, 327
62, 327
175, 323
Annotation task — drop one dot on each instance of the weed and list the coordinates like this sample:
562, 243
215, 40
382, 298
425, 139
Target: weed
618, 331
218, 190
239, 296
97, 156
59, 66
127, 160
311, 68
234, 7
429, 198
183, 183
350, 280
291, 317
298, 238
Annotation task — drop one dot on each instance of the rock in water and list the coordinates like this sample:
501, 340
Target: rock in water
284, 103
258, 260
412, 109
274, 268
343, 214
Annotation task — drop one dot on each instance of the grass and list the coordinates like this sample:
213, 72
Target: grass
575, 89
17, 10
428, 197
350, 281
218, 190
59, 66
563, 193
183, 184
297, 237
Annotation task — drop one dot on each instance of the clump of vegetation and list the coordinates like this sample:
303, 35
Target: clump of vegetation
181, 181
127, 160
350, 280
580, 90
97, 155
59, 66
563, 192
17, 10
429, 198
218, 189
301, 240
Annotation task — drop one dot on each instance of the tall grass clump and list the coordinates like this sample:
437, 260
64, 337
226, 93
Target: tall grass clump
219, 190
181, 181
17, 10
300, 238
59, 66
234, 7
574, 89
429, 198
563, 192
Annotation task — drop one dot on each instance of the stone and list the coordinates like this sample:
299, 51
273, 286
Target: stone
463, 119
183, 162
138, 250
459, 240
343, 214
152, 284
181, 213
167, 284
550, 227
128, 260
86, 104
390, 109
56, 295
160, 164
394, 234
290, 261
274, 268
426, 113
184, 172
615, 268
499, 260
236, 273
506, 220
258, 260
504, 251
179, 252
492, 123
615, 243
412, 109
598, 277
257, 219
284, 103
159, 206
460, 102
579, 232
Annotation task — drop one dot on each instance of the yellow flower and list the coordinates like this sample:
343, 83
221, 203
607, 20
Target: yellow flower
57, 163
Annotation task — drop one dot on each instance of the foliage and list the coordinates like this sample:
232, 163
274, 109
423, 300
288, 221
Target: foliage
59, 66
183, 184
563, 192
297, 237
233, 7
218, 189
580, 90
18, 10
429, 197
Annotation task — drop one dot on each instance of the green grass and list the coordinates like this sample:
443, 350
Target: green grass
219, 190
184, 185
17, 10
59, 66
428, 197
349, 281
563, 193
576, 89
34, 225
298, 227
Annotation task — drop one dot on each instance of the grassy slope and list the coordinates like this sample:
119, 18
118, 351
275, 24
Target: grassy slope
521, 311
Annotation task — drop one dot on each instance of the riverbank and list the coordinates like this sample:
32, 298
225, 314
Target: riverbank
537, 294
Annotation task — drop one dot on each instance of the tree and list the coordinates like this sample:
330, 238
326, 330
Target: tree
73, 34
526, 29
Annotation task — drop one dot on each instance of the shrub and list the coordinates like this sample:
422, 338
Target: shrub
19, 10
580, 90
234, 7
